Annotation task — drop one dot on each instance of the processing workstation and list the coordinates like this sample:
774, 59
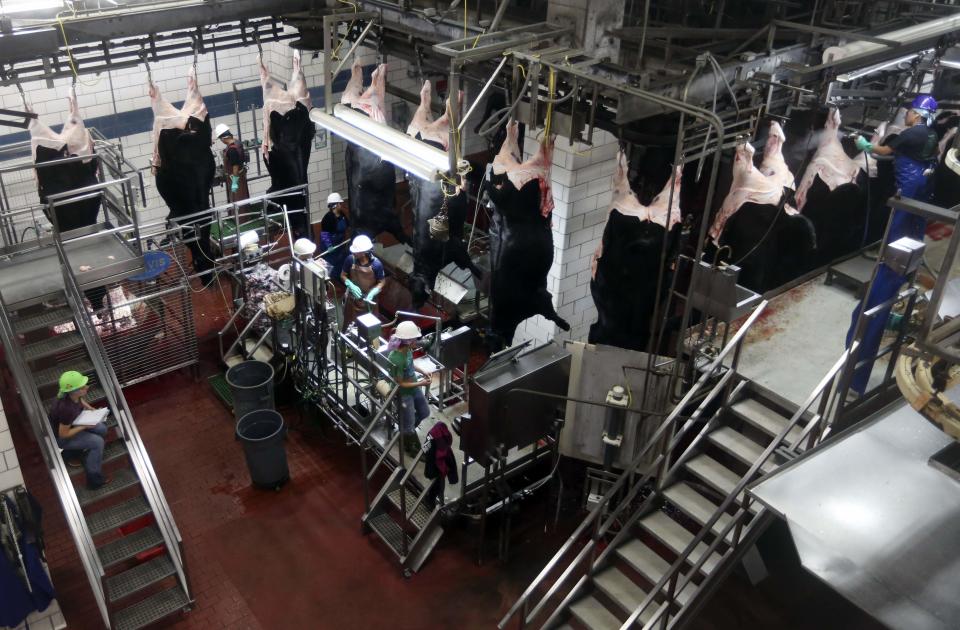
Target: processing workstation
479, 314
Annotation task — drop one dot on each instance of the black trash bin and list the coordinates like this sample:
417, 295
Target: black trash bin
251, 385
262, 433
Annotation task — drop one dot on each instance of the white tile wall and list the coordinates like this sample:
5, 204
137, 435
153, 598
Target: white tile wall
10, 476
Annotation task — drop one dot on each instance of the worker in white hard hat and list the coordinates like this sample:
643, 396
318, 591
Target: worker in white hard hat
364, 277
333, 233
413, 401
234, 164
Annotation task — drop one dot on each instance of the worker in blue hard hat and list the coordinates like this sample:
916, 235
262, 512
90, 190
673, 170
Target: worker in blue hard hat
915, 155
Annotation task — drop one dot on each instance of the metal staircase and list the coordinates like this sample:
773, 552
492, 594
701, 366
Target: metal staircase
653, 561
137, 578
398, 514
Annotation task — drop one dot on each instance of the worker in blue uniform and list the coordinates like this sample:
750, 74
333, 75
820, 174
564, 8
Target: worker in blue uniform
914, 153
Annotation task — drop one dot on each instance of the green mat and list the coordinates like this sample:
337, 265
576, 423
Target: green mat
227, 229
221, 389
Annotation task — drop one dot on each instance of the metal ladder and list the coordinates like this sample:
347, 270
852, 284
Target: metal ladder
129, 593
675, 546
398, 514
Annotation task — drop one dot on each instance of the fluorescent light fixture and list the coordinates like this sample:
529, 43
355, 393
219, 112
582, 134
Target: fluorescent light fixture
413, 162
10, 7
429, 154
859, 74
947, 63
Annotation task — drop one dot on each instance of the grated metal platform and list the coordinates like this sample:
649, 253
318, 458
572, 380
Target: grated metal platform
112, 450
152, 609
115, 516
127, 547
51, 375
420, 516
120, 480
43, 320
52, 346
139, 577
390, 532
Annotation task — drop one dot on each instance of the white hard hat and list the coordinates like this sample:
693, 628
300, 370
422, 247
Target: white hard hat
361, 244
407, 330
250, 237
222, 129
304, 247
333, 198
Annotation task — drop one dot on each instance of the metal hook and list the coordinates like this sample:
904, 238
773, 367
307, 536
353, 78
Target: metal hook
716, 257
143, 57
256, 38
196, 50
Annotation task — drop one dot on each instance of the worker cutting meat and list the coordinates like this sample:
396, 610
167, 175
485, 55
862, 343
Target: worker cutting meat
364, 277
914, 152
234, 164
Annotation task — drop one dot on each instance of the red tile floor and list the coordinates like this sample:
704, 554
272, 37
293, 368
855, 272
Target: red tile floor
297, 558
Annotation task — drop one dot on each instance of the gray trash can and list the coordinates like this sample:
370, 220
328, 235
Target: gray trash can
251, 385
262, 433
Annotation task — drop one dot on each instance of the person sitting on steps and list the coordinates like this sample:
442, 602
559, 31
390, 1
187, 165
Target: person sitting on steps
71, 401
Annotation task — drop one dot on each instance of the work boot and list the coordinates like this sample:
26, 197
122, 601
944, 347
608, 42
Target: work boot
411, 444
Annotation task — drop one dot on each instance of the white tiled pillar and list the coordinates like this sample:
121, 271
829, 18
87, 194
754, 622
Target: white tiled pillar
10, 476
581, 178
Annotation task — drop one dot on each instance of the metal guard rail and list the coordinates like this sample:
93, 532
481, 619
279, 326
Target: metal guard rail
58, 470
118, 406
678, 581
629, 471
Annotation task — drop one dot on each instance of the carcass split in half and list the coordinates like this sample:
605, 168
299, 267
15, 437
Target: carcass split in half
433, 201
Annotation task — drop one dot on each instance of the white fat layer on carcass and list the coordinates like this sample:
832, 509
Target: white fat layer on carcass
749, 186
773, 165
519, 173
166, 116
371, 101
664, 210
830, 162
277, 99
74, 134
423, 123
946, 141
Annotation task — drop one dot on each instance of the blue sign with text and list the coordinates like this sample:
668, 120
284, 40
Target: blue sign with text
154, 264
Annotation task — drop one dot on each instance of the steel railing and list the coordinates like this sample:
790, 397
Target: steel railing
126, 426
635, 474
674, 580
43, 431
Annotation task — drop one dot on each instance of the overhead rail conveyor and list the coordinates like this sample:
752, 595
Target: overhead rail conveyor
138, 575
652, 561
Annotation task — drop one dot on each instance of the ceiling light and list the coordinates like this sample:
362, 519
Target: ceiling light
9, 7
412, 162
858, 74
433, 156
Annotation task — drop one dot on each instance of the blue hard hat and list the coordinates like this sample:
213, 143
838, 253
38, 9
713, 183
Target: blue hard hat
924, 101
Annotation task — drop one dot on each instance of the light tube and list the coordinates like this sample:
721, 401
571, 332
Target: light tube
27, 6
431, 155
857, 74
410, 162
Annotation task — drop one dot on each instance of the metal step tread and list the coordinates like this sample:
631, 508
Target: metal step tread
139, 577
624, 592
740, 446
151, 609
650, 565
119, 480
594, 615
94, 395
718, 476
676, 537
51, 375
420, 516
111, 451
44, 319
117, 515
765, 418
50, 346
129, 546
697, 506
390, 531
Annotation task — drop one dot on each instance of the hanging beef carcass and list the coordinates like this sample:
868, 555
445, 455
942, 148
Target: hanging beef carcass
371, 181
832, 194
73, 141
521, 239
184, 165
766, 237
287, 138
626, 264
441, 203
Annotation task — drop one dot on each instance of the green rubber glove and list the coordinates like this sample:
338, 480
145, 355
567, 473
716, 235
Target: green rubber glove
863, 144
353, 288
373, 294
234, 183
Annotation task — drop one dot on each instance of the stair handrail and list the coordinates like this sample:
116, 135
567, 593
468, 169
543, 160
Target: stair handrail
136, 451
733, 345
59, 474
673, 574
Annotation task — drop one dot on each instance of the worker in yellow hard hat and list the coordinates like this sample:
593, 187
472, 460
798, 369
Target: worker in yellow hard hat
71, 402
